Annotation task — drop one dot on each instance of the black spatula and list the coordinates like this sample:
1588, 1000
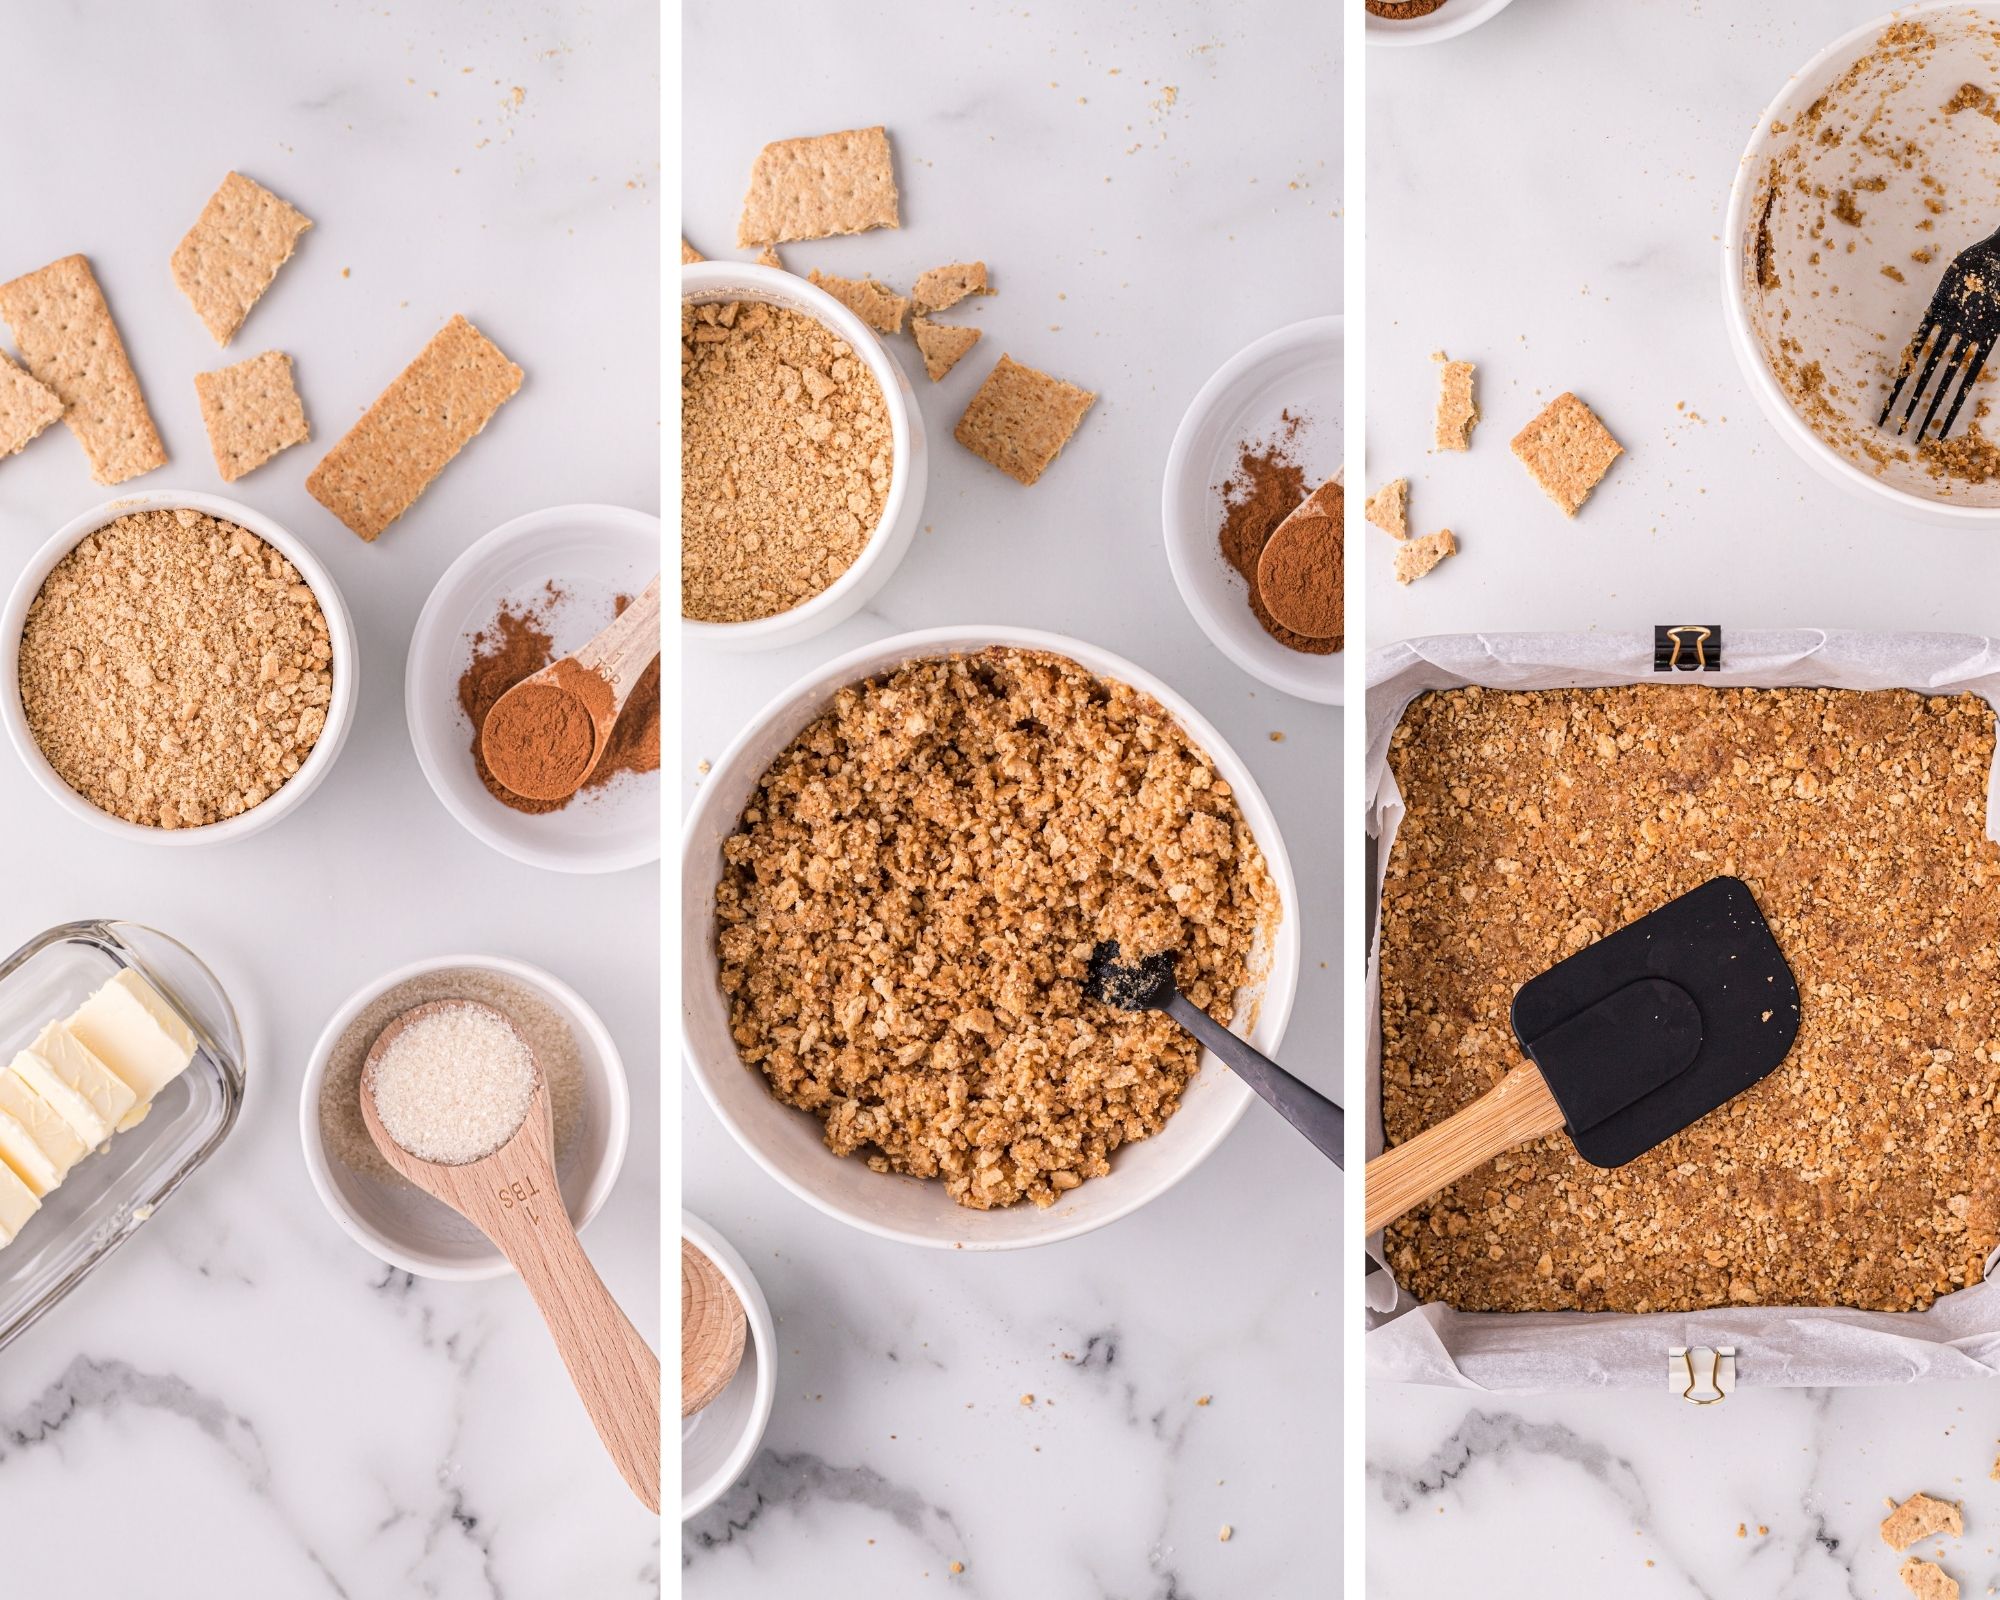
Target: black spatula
1629, 1041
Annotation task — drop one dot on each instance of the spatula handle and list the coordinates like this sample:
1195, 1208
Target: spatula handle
1297, 1101
1515, 1110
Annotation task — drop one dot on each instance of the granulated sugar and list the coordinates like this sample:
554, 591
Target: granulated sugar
454, 1084
545, 1028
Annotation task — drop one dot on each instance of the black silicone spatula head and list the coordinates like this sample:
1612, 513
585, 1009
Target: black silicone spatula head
1656, 1025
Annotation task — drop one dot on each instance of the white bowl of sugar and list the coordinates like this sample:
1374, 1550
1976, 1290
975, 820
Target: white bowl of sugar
388, 1216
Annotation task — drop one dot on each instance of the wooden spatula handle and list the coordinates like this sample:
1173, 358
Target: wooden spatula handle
1512, 1112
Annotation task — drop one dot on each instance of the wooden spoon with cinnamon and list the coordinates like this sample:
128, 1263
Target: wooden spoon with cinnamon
545, 736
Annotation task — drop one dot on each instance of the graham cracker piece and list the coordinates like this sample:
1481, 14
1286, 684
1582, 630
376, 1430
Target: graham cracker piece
816, 188
252, 411
768, 257
1415, 557
26, 407
233, 251
1919, 1517
943, 345
1927, 1580
414, 428
66, 337
1567, 451
1020, 419
1457, 410
690, 255
1389, 508
874, 303
942, 287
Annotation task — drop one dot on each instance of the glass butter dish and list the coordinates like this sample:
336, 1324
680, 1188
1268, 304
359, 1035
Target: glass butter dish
110, 1193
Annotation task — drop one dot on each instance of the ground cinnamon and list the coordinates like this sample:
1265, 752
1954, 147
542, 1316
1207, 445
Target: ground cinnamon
1402, 10
516, 645
1300, 573
1266, 487
538, 741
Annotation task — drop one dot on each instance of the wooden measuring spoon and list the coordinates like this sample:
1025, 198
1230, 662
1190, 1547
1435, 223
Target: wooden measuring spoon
513, 1198
712, 1329
581, 696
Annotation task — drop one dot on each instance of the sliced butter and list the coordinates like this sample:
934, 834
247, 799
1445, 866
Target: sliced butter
23, 1155
44, 1123
17, 1204
134, 1032
86, 1092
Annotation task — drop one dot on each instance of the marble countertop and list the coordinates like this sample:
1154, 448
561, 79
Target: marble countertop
1579, 249
260, 1407
1135, 245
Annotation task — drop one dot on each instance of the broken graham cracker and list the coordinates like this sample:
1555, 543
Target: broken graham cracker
1389, 508
1927, 1580
768, 257
67, 340
414, 428
817, 188
26, 407
690, 255
252, 411
1919, 1517
1020, 419
1457, 410
943, 345
1415, 557
1567, 451
943, 287
874, 303
233, 251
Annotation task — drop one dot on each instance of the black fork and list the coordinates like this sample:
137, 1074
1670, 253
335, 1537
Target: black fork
1957, 333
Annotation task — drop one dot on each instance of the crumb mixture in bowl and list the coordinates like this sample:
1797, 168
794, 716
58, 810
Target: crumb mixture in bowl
1860, 1172
786, 455
908, 908
175, 669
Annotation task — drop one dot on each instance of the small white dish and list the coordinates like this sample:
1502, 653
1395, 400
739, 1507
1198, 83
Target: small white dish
1297, 368
1838, 307
707, 281
407, 1228
1447, 22
593, 554
788, 1143
340, 635
718, 1442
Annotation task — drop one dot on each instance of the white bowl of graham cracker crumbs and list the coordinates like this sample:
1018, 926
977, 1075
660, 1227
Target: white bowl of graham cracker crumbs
1447, 20
311, 679
1212, 801
1872, 168
589, 1102
816, 599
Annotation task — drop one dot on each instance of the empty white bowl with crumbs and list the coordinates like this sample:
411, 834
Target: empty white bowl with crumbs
708, 282
788, 1143
591, 554
398, 1222
718, 1442
289, 796
1296, 370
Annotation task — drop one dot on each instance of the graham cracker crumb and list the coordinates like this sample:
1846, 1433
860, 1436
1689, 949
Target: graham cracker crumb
816, 188
1457, 410
1927, 1581
1389, 508
942, 287
1020, 419
1228, 1532
942, 345
690, 255
228, 258
26, 407
1415, 557
768, 257
1919, 1517
1567, 451
413, 430
67, 340
874, 303
252, 411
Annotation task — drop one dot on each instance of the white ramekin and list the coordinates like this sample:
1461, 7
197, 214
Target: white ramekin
707, 281
340, 635
1460, 16
1738, 230
407, 1228
787, 1143
718, 1442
